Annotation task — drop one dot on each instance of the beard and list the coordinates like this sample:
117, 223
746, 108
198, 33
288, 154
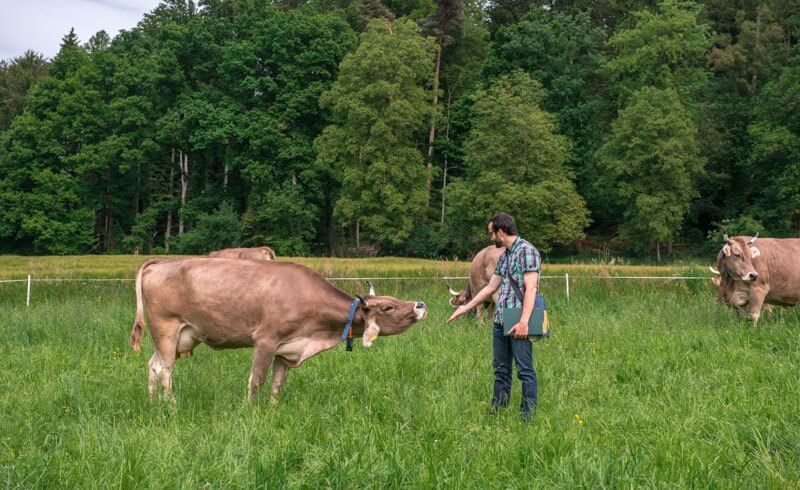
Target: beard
498, 243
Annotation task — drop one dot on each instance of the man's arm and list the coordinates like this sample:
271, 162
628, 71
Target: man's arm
520, 330
481, 297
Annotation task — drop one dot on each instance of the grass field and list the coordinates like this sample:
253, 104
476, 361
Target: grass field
644, 383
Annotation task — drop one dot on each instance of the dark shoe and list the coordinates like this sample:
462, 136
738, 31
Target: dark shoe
527, 415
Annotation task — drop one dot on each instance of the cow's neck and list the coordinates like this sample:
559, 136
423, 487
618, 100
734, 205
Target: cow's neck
336, 318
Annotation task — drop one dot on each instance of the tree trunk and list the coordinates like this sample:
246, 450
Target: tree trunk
447, 137
444, 187
184, 159
168, 231
358, 234
669, 247
658, 252
432, 134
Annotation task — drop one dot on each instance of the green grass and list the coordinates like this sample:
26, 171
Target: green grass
672, 388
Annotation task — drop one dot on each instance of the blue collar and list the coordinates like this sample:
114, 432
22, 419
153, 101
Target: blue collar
346, 332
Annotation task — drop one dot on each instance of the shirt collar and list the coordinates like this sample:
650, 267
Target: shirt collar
514, 245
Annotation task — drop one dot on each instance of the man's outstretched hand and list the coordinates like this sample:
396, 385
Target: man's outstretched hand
459, 311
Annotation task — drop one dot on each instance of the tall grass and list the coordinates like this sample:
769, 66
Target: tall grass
125, 266
671, 389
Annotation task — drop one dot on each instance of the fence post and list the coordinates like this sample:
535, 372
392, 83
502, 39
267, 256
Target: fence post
566, 281
28, 298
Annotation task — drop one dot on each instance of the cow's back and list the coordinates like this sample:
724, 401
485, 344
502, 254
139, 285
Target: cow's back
230, 298
779, 266
482, 268
256, 253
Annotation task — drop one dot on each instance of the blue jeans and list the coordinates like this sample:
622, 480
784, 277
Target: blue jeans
507, 348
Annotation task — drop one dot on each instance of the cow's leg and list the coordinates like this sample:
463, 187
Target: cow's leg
756, 302
479, 314
262, 357
280, 368
167, 362
153, 375
165, 337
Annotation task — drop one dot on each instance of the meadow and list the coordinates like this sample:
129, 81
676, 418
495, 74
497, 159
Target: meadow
644, 383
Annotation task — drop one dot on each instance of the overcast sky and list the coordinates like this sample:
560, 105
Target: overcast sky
40, 24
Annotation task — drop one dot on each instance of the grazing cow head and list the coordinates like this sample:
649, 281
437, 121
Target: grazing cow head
458, 298
730, 292
384, 315
736, 258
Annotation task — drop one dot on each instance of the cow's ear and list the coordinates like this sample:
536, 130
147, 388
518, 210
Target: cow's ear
754, 252
726, 250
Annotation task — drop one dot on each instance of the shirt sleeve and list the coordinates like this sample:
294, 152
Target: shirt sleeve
498, 270
530, 260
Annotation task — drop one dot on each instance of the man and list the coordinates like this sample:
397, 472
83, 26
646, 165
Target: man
521, 263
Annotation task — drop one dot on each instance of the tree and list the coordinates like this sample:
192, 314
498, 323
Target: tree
380, 104
444, 26
775, 154
16, 79
564, 53
652, 161
459, 76
41, 209
515, 162
221, 229
756, 56
664, 49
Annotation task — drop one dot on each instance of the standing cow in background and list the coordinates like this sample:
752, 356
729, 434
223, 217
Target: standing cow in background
256, 253
286, 312
479, 275
753, 272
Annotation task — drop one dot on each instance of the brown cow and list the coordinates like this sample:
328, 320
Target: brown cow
256, 253
754, 275
481, 271
285, 311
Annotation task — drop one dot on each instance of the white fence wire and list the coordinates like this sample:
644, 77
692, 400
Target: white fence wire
565, 278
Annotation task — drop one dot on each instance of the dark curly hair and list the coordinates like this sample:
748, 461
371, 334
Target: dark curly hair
505, 222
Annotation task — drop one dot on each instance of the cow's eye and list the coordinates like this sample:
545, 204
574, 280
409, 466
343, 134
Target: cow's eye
388, 308
738, 256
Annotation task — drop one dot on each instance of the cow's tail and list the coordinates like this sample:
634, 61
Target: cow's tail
137, 331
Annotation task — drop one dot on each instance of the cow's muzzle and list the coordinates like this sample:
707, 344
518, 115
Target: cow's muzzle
421, 310
750, 277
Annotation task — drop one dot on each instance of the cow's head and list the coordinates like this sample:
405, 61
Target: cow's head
730, 292
385, 315
458, 298
736, 258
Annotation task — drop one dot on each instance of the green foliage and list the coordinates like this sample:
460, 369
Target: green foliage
380, 103
213, 231
564, 53
743, 225
652, 161
664, 49
515, 162
16, 79
775, 136
757, 53
89, 143
282, 220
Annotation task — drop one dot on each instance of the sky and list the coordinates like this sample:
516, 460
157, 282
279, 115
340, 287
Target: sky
40, 24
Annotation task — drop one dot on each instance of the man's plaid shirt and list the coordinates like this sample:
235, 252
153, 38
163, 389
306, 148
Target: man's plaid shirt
522, 257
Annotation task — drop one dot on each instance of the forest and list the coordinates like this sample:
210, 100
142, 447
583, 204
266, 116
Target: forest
398, 127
